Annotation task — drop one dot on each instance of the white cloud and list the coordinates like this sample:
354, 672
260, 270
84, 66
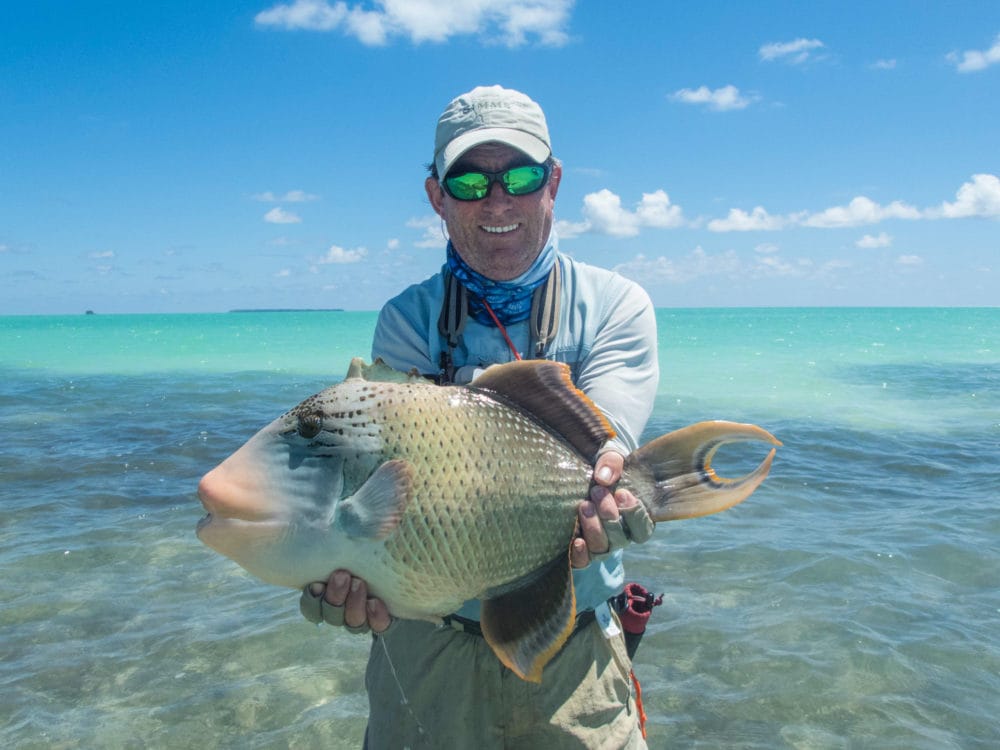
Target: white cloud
910, 260
569, 229
981, 197
604, 214
884, 64
971, 61
772, 265
509, 22
860, 210
292, 196
102, 254
284, 273
696, 264
314, 15
871, 241
740, 221
278, 215
433, 231
338, 255
721, 99
699, 263
655, 210
794, 53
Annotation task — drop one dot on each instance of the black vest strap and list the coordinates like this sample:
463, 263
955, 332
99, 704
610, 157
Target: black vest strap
451, 322
545, 311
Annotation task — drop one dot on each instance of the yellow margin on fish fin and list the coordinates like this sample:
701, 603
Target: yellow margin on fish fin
526, 626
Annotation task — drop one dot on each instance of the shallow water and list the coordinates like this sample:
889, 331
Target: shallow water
851, 603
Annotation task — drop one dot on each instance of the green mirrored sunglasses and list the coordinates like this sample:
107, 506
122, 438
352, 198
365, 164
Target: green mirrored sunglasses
474, 186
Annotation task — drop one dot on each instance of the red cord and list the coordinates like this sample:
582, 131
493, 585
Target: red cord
638, 704
502, 329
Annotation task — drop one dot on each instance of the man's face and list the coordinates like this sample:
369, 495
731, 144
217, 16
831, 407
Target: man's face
501, 235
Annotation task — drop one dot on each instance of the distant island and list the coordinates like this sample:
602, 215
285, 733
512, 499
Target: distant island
288, 309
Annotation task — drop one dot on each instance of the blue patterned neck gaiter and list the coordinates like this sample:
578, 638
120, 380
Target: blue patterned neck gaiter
510, 300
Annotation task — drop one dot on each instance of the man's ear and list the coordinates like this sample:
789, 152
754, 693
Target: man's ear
554, 178
435, 194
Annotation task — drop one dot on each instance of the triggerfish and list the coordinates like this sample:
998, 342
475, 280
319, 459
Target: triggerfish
435, 495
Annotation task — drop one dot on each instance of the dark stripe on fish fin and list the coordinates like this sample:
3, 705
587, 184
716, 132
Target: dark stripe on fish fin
373, 512
544, 390
673, 474
527, 626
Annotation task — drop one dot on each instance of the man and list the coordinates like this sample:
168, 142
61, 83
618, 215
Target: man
506, 292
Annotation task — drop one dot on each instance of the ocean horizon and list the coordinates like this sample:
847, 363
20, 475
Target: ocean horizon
852, 602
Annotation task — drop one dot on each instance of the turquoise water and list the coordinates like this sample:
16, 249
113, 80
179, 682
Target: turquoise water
851, 603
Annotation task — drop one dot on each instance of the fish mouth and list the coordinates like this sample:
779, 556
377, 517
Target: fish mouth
203, 522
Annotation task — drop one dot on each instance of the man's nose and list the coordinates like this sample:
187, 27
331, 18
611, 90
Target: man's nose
496, 194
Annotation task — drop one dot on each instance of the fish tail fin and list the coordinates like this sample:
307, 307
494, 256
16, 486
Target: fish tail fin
673, 474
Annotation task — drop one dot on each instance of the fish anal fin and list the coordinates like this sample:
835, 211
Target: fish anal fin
374, 511
545, 390
527, 626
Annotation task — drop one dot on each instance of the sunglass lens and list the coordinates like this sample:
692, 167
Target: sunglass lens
524, 180
471, 186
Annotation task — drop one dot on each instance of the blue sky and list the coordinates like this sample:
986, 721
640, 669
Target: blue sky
203, 156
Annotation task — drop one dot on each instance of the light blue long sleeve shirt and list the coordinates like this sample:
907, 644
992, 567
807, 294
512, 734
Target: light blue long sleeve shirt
606, 334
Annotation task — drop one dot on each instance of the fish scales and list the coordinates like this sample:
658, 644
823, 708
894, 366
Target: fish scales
472, 458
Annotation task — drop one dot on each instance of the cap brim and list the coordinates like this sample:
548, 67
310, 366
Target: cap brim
528, 144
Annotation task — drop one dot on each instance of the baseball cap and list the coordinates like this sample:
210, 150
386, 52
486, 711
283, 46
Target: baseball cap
490, 114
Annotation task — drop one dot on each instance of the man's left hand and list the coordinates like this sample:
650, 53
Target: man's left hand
608, 520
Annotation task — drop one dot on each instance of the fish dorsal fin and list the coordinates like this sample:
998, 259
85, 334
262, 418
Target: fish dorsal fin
379, 371
544, 390
374, 511
356, 369
527, 625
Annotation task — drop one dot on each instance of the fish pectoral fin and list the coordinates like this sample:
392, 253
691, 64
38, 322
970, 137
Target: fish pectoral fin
679, 468
531, 619
374, 511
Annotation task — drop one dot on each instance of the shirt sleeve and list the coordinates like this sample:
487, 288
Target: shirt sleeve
621, 371
402, 336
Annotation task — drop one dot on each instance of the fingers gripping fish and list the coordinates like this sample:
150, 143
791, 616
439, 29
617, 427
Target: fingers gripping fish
437, 495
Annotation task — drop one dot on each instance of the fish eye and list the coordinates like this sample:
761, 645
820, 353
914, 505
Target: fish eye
309, 425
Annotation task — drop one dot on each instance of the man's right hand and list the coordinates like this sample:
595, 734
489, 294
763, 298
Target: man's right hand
343, 600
